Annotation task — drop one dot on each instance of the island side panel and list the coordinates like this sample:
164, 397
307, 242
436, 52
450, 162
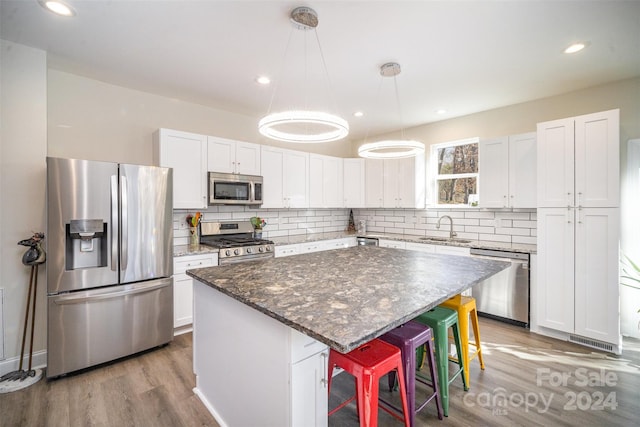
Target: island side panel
241, 361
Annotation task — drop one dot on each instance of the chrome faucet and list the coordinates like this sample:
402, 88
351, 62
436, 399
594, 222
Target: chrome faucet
452, 233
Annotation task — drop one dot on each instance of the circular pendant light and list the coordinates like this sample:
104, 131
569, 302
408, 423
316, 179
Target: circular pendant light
395, 148
303, 126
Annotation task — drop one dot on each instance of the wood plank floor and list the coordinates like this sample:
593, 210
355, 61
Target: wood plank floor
529, 380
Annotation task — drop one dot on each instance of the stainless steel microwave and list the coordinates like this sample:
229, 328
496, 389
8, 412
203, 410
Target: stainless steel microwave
234, 189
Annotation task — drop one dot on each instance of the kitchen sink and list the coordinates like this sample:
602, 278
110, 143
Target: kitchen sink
444, 240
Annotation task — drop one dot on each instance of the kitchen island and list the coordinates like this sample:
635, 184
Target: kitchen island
261, 328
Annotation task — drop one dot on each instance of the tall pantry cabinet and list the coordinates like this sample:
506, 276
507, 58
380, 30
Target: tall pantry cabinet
578, 221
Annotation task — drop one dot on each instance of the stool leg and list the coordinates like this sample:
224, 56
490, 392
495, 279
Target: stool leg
410, 384
461, 361
463, 326
404, 397
476, 334
434, 377
367, 392
442, 362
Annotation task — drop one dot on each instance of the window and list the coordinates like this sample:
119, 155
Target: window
455, 166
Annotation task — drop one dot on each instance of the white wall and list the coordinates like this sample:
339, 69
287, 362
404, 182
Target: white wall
23, 111
94, 120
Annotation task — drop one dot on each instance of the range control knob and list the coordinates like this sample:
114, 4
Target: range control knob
268, 248
260, 249
236, 252
249, 250
227, 252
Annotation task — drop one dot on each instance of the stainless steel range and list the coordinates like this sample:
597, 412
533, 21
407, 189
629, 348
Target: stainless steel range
235, 241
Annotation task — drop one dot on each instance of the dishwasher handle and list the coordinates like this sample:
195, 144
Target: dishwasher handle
523, 263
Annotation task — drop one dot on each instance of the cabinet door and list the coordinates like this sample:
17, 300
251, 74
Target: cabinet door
182, 300
406, 183
247, 158
597, 159
420, 247
555, 163
186, 153
391, 244
596, 274
493, 167
522, 171
390, 183
309, 400
221, 155
296, 179
555, 295
272, 166
353, 183
325, 181
373, 183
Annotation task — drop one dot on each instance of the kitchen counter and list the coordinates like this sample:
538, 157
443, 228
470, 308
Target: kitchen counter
478, 244
346, 297
184, 250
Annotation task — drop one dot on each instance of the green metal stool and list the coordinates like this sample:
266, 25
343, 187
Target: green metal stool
440, 320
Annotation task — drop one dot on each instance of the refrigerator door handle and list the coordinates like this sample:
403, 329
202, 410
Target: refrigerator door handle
124, 258
114, 222
120, 291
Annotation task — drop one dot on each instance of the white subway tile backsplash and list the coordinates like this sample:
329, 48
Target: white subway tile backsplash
515, 227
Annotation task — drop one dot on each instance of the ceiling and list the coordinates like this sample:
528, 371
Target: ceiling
462, 56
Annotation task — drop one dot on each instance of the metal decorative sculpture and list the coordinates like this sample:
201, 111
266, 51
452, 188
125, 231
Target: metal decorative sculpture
33, 257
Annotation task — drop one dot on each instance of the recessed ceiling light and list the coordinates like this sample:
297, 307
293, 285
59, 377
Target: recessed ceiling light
441, 111
358, 114
576, 47
263, 80
58, 7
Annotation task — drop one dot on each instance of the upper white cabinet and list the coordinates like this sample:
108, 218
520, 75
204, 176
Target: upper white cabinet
186, 153
395, 183
353, 183
374, 195
285, 174
579, 161
225, 155
507, 168
325, 181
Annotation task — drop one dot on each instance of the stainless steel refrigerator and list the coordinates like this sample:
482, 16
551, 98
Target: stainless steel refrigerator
109, 261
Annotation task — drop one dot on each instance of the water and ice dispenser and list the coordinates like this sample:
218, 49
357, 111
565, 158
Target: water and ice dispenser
86, 244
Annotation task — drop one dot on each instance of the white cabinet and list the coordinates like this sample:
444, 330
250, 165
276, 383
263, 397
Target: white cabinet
286, 250
325, 181
354, 183
420, 247
579, 161
225, 155
186, 153
285, 176
391, 244
308, 247
345, 242
374, 176
452, 250
286, 386
395, 183
183, 286
309, 403
578, 222
507, 168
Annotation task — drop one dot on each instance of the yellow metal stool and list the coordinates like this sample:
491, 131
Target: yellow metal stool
466, 308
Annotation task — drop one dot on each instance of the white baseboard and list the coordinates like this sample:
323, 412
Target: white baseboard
209, 407
9, 365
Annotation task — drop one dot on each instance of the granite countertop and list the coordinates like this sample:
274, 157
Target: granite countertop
184, 250
346, 297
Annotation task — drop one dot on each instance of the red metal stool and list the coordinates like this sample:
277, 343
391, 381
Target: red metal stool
408, 338
368, 363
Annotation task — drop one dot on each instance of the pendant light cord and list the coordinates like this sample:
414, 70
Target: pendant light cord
284, 59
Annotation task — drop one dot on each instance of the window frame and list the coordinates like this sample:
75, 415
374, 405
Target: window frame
435, 177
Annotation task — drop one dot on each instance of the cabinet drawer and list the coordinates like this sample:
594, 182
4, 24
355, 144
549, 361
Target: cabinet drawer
182, 264
306, 248
452, 250
286, 250
391, 244
303, 346
420, 247
340, 243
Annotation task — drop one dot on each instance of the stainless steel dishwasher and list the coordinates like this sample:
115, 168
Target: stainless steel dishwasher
504, 296
367, 241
